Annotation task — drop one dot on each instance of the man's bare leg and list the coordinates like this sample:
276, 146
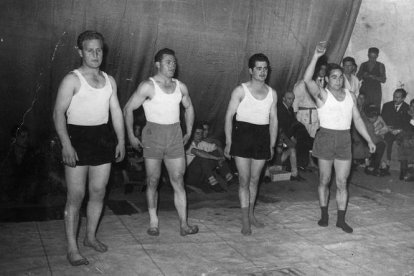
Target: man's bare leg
342, 169
98, 179
255, 171
176, 170
325, 170
153, 168
76, 181
243, 167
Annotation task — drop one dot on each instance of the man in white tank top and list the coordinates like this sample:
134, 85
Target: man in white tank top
77, 96
336, 109
252, 137
162, 139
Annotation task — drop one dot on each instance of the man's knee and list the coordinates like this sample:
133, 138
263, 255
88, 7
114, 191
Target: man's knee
152, 181
324, 179
75, 197
176, 176
97, 193
341, 184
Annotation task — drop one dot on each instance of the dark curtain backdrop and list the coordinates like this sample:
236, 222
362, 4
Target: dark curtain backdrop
212, 38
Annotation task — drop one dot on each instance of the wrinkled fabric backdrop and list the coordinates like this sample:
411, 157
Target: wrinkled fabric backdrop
212, 39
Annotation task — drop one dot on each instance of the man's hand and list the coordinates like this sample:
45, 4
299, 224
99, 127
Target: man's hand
372, 147
119, 152
272, 152
186, 137
69, 156
227, 151
135, 143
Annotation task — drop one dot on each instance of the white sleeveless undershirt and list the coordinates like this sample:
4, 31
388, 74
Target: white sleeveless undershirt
163, 108
252, 110
89, 106
336, 114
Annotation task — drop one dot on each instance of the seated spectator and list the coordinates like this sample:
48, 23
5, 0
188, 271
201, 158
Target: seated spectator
376, 128
406, 146
203, 159
360, 151
395, 115
293, 134
19, 168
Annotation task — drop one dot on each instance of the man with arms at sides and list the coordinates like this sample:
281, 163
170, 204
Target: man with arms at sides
85, 96
251, 138
162, 138
336, 110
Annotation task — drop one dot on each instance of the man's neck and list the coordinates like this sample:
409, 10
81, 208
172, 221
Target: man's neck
162, 78
89, 71
255, 84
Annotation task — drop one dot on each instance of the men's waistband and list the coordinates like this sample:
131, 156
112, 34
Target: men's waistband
306, 108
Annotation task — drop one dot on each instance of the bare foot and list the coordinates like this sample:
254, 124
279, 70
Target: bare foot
96, 245
255, 222
246, 231
76, 259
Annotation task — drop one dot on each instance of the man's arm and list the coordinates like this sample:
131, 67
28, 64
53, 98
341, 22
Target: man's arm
117, 122
382, 78
273, 124
188, 113
318, 94
360, 126
204, 154
235, 99
65, 93
144, 91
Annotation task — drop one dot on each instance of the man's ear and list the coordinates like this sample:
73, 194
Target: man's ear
80, 52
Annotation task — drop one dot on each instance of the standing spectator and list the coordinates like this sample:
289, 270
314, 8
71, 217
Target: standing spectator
372, 74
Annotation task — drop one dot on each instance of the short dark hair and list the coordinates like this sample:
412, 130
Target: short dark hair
198, 125
402, 91
159, 55
373, 50
258, 57
348, 59
333, 66
322, 61
89, 35
372, 110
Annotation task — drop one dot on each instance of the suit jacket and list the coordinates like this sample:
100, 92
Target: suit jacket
397, 119
286, 119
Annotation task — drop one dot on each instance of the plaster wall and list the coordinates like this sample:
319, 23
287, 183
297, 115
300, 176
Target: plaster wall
387, 25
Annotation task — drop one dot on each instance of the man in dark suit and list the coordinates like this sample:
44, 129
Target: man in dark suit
395, 115
293, 134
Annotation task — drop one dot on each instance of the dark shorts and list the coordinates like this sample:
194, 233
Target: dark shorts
250, 141
94, 145
332, 144
163, 141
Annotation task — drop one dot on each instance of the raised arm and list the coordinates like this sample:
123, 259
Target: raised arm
273, 124
188, 113
65, 93
314, 90
144, 91
360, 126
235, 99
117, 122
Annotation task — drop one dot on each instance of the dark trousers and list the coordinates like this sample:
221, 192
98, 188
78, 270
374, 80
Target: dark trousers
389, 140
377, 155
200, 169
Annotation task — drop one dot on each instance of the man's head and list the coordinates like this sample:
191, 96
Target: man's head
166, 62
90, 48
198, 133
206, 129
372, 112
137, 130
259, 66
349, 65
411, 110
361, 100
399, 96
288, 98
373, 53
334, 76
320, 68
20, 135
